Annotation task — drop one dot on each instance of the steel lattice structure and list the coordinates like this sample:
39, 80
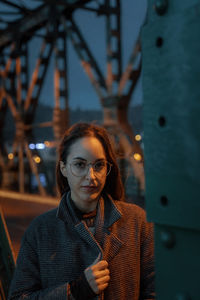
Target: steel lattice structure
54, 23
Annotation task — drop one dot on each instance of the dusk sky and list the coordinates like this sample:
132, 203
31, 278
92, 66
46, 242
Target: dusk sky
81, 92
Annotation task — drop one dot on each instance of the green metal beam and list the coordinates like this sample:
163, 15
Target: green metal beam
171, 72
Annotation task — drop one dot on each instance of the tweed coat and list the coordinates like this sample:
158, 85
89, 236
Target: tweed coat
57, 247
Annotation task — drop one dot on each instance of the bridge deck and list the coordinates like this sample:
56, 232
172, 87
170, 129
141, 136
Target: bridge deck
18, 214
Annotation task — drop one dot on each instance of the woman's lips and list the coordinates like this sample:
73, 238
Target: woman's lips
89, 188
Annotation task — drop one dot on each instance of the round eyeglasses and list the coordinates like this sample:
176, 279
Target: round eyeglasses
80, 168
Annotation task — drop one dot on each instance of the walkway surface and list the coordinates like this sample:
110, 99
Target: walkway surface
18, 214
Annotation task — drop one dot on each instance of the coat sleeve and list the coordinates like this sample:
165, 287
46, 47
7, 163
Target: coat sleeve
147, 282
26, 282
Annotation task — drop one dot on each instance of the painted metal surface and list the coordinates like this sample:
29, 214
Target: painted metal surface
171, 72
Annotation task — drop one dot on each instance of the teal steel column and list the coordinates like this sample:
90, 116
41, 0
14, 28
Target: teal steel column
171, 75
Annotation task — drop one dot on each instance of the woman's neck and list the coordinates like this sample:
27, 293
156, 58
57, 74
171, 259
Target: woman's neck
82, 210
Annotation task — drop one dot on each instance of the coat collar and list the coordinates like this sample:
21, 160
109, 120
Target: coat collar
111, 212
63, 210
108, 212
104, 241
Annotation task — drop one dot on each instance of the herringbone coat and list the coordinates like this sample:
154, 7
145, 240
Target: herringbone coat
57, 247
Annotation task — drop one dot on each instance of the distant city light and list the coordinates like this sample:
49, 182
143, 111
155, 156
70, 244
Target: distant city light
43, 179
10, 156
137, 156
34, 182
40, 146
47, 143
37, 159
138, 137
32, 146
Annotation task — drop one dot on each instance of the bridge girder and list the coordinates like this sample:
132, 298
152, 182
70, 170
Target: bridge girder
21, 96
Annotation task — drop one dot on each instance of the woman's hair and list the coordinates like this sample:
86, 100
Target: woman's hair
113, 185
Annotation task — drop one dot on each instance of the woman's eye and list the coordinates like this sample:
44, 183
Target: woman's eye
100, 165
79, 165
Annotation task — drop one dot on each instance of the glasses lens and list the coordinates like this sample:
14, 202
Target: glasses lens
100, 166
80, 168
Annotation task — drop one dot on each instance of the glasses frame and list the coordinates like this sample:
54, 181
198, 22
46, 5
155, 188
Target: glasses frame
91, 166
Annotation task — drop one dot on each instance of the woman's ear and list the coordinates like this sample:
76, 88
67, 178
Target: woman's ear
63, 169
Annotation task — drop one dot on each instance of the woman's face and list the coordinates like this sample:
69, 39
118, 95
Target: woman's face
86, 182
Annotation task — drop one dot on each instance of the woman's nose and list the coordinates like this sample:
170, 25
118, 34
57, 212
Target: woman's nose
90, 172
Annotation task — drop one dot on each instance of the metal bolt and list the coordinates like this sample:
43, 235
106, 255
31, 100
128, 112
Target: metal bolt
183, 296
167, 239
161, 6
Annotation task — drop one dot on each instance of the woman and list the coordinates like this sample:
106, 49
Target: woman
94, 246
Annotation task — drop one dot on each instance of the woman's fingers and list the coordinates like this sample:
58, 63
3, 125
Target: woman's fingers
98, 276
101, 274
100, 266
102, 280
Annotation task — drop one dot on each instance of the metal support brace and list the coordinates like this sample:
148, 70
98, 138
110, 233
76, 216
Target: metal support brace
61, 110
113, 44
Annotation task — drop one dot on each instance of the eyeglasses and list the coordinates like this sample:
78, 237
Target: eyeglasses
80, 168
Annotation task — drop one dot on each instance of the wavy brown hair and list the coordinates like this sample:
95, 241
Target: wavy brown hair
113, 185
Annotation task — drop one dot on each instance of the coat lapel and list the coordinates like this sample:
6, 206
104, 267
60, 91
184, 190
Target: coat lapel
104, 241
107, 215
87, 236
67, 215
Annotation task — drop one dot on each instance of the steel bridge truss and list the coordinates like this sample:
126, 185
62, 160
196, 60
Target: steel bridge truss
54, 24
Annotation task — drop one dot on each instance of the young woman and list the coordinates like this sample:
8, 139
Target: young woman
94, 245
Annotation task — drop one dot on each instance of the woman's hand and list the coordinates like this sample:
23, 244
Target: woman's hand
98, 276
